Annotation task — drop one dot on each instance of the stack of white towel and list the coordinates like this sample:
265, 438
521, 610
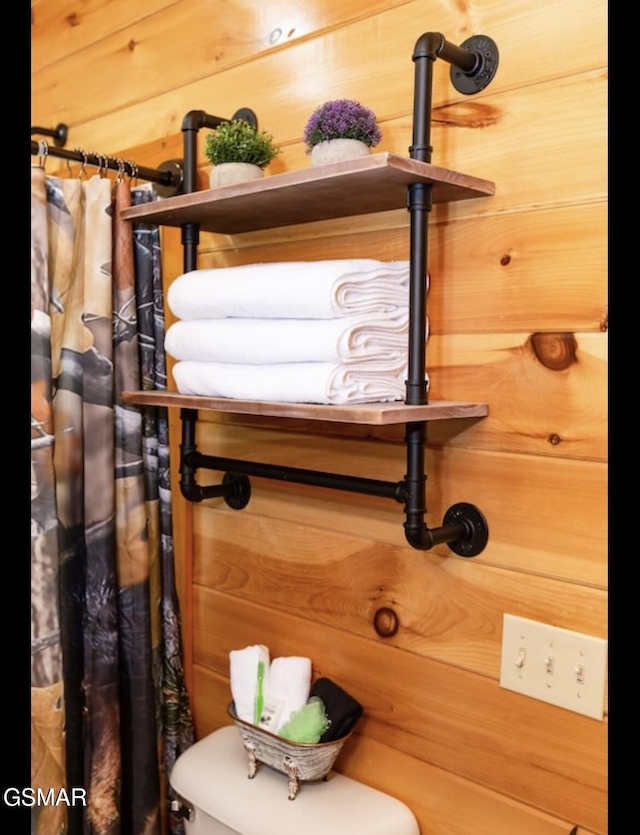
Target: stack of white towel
333, 332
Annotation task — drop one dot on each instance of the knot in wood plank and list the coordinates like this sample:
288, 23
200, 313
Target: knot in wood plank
556, 351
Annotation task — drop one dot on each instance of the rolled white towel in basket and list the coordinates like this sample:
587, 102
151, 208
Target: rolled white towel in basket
380, 336
291, 290
243, 665
290, 683
368, 381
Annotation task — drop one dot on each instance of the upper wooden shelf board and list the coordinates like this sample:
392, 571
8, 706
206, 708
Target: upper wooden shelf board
376, 183
365, 413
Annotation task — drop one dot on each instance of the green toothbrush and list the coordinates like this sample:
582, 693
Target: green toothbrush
259, 693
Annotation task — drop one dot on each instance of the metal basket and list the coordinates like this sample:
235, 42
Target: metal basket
300, 761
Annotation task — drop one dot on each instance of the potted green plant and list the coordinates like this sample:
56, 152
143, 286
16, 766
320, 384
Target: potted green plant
238, 151
340, 129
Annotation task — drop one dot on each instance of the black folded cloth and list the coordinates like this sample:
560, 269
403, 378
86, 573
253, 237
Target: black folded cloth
341, 708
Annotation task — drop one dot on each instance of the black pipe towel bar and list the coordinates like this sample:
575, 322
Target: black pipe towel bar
464, 527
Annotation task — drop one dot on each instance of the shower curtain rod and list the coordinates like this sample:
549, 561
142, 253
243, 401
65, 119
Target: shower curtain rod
169, 176
174, 176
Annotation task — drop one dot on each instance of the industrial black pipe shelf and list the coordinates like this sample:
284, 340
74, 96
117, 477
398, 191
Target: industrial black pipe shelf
464, 528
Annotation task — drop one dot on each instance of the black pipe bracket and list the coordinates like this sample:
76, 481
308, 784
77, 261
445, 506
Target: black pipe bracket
484, 69
59, 134
174, 169
477, 534
245, 114
239, 490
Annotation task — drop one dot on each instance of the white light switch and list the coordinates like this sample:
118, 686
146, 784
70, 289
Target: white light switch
554, 665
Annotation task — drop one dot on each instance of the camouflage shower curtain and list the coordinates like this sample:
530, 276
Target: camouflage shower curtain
110, 711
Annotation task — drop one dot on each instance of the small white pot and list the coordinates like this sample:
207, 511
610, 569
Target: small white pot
337, 150
228, 173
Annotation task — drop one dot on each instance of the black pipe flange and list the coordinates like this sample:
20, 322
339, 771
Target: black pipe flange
486, 65
60, 135
239, 491
476, 525
246, 115
175, 178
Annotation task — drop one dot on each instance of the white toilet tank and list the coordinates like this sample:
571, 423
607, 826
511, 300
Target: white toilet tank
212, 776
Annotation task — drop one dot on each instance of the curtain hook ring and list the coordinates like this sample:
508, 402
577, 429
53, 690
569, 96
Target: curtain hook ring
121, 167
134, 172
43, 150
83, 165
107, 161
96, 162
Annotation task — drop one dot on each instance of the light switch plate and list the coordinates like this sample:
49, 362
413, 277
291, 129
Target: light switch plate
554, 665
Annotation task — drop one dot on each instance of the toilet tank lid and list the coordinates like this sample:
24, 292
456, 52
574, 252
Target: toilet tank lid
212, 776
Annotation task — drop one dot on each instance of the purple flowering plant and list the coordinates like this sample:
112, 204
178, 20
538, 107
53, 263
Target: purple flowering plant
341, 119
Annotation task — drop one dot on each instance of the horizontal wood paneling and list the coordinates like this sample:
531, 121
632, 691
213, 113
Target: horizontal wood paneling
163, 38
433, 794
518, 318
168, 44
449, 609
517, 271
545, 390
513, 272
61, 29
536, 404
534, 408
445, 716
347, 62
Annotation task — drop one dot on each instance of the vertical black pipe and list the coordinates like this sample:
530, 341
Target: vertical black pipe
190, 128
191, 124
190, 241
424, 55
459, 528
415, 481
419, 206
188, 484
191, 231
419, 202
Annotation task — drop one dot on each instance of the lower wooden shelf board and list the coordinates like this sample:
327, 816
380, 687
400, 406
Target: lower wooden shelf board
363, 413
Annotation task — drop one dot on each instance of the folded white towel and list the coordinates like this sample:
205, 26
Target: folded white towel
368, 381
243, 665
291, 290
290, 682
381, 336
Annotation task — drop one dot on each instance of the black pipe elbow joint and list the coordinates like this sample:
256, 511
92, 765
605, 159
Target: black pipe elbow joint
464, 529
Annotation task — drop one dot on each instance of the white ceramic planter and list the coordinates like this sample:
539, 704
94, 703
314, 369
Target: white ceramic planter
337, 150
228, 173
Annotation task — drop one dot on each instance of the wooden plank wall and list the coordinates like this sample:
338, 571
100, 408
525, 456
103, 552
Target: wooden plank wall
518, 318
